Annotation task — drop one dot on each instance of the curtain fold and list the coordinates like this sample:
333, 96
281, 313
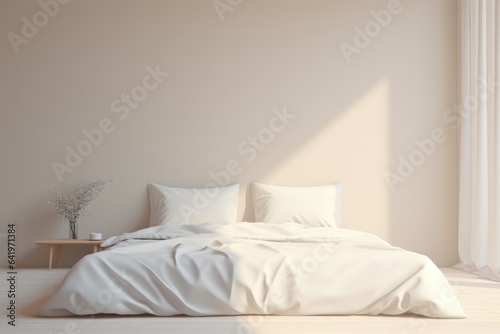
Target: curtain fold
479, 216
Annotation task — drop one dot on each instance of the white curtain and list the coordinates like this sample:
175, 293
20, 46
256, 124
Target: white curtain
479, 217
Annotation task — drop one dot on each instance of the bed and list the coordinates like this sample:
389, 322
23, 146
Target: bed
293, 263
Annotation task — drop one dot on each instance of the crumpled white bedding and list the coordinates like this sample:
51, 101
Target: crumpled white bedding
253, 268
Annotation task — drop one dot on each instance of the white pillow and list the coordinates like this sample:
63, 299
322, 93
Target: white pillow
181, 206
313, 206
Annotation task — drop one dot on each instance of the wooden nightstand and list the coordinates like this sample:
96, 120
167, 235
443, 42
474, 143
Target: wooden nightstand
67, 242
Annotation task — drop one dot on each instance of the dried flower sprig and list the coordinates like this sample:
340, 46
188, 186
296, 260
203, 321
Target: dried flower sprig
70, 205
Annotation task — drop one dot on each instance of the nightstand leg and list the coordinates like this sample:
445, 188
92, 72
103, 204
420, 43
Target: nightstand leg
94, 250
51, 252
58, 255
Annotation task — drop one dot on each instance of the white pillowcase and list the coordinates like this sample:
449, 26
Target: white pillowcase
181, 206
313, 206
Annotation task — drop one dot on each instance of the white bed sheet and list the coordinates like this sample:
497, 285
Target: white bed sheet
253, 268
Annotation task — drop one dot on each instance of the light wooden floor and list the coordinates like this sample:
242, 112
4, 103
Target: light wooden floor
480, 299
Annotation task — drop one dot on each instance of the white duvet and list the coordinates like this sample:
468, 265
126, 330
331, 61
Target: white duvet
253, 268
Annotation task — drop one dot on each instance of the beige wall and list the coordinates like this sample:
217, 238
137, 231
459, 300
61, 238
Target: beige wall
353, 120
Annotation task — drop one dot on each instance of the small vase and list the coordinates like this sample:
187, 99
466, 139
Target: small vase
73, 230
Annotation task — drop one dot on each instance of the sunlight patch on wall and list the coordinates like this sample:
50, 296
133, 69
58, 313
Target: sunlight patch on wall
354, 148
